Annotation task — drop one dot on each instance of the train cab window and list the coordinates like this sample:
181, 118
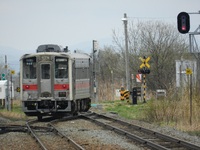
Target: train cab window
29, 68
45, 70
61, 70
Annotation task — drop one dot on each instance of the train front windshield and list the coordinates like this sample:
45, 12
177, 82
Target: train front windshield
61, 70
29, 68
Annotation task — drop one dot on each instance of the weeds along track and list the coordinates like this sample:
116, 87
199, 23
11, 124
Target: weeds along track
148, 138
48, 137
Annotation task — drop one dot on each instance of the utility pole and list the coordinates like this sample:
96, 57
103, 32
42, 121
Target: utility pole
94, 50
190, 98
112, 85
7, 101
125, 20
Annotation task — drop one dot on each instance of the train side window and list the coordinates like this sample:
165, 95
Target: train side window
45, 70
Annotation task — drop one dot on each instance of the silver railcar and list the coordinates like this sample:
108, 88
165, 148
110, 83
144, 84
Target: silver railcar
55, 82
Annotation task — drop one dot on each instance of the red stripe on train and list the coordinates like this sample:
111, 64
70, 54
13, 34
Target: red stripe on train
61, 86
32, 87
82, 85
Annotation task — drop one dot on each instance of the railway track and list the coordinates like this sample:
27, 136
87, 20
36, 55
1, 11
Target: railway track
12, 128
50, 137
92, 136
147, 137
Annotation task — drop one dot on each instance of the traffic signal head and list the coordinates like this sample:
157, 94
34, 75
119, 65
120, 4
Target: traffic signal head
144, 71
147, 71
183, 22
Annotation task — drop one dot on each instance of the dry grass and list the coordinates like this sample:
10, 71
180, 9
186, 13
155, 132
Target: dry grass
13, 115
184, 113
16, 112
175, 112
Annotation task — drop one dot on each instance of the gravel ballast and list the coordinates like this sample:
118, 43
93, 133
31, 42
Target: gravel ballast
89, 135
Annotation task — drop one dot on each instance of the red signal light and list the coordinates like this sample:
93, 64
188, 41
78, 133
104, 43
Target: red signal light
183, 22
183, 28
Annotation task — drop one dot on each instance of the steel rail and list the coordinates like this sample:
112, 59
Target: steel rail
125, 133
69, 140
34, 135
157, 134
151, 132
12, 128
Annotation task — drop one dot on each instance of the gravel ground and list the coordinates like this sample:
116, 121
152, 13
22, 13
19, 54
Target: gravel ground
100, 139
91, 136
17, 141
165, 130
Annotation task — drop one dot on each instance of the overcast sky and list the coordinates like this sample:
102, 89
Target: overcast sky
25, 24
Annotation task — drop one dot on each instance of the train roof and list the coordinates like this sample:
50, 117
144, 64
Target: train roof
65, 54
50, 48
79, 55
56, 50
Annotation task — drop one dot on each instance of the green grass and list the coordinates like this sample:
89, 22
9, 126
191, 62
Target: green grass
16, 108
194, 133
15, 113
125, 109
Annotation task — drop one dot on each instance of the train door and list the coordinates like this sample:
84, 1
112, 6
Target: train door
45, 80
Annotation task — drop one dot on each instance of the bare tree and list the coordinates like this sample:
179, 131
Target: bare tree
109, 63
159, 40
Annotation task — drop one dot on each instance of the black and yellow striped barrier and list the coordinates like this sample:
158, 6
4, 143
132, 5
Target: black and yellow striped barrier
124, 94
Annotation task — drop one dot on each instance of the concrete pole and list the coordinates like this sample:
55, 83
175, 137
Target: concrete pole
94, 71
125, 20
8, 106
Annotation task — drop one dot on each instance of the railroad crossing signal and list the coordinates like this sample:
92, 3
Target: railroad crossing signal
144, 62
144, 71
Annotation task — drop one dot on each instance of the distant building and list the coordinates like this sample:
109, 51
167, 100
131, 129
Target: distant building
3, 89
181, 76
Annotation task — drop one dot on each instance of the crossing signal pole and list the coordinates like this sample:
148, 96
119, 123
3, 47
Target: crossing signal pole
144, 87
144, 69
